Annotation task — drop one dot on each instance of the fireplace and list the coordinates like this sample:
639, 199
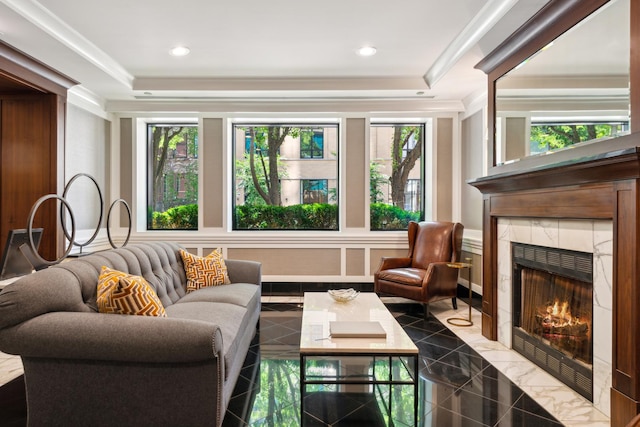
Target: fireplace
601, 189
553, 312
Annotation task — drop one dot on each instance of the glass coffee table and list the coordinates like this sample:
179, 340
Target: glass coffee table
374, 367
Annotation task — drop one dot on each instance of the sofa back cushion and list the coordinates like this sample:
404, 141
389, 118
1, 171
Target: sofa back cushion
72, 285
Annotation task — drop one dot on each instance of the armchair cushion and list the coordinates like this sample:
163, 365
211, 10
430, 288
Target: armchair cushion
406, 276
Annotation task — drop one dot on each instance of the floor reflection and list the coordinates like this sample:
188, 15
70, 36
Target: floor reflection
457, 386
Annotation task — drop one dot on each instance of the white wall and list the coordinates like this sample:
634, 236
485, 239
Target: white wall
87, 151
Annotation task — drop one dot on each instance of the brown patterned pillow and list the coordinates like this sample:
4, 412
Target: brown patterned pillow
206, 271
122, 293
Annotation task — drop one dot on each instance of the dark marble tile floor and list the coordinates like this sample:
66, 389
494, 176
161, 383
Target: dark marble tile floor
457, 386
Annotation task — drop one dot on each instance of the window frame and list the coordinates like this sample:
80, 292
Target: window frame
149, 124
421, 163
311, 124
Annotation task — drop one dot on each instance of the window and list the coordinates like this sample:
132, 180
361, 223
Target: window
172, 176
396, 175
283, 180
314, 191
311, 143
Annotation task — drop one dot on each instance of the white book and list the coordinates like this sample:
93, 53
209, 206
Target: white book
356, 329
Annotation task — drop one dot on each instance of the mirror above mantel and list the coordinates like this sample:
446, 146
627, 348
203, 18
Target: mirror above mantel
571, 89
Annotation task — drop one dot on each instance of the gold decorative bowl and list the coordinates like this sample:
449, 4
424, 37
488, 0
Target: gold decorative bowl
343, 295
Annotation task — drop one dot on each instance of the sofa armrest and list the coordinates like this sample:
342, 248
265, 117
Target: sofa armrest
244, 271
113, 337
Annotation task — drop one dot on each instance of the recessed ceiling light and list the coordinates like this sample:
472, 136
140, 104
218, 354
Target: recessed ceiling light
180, 51
367, 51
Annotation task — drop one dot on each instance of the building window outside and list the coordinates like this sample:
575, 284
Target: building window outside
314, 191
396, 175
412, 192
247, 141
175, 186
282, 178
172, 176
410, 145
311, 144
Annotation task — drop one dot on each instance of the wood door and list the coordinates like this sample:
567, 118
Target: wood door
28, 156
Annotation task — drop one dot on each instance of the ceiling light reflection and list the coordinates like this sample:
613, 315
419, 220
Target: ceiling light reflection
367, 51
180, 51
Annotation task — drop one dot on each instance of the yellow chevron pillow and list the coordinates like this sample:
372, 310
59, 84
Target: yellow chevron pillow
206, 271
122, 293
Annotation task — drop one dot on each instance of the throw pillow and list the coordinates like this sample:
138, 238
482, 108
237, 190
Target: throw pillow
122, 293
206, 271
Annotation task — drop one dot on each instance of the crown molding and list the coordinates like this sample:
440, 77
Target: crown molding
87, 100
479, 25
41, 17
287, 105
277, 83
25, 70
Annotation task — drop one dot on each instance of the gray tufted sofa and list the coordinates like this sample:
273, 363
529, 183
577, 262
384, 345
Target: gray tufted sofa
83, 368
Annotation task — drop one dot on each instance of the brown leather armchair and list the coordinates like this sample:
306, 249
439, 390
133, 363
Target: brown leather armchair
423, 275
635, 421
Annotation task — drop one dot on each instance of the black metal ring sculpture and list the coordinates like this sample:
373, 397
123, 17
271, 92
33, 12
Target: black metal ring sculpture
32, 214
62, 216
126, 205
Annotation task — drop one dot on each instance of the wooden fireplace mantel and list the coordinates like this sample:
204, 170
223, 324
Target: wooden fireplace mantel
609, 166
603, 186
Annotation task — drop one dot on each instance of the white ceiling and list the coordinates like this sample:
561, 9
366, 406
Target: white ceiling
253, 49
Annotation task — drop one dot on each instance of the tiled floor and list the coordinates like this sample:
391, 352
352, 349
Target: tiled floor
465, 380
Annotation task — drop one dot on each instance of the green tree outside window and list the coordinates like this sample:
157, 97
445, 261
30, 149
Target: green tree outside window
173, 176
395, 184
548, 137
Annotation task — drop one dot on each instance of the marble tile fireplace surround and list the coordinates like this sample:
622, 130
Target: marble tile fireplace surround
592, 236
590, 204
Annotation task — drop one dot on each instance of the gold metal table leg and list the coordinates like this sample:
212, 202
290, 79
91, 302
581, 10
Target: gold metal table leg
461, 321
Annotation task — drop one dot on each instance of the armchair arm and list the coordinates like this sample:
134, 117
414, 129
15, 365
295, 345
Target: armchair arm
440, 279
112, 337
387, 263
244, 271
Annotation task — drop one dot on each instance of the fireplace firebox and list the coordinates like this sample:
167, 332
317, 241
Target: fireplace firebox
553, 312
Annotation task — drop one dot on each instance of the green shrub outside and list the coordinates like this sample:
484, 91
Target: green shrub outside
314, 216
389, 217
183, 217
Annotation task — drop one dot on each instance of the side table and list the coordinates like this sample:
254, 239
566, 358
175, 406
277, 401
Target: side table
461, 321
